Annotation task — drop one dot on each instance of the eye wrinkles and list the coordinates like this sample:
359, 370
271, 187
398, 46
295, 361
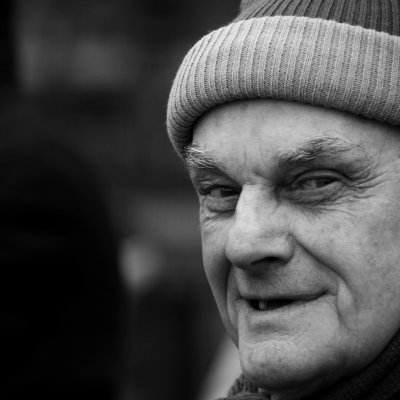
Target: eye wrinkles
316, 172
204, 170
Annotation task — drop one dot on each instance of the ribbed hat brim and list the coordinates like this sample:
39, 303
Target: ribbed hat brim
309, 60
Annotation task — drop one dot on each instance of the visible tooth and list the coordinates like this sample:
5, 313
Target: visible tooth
262, 305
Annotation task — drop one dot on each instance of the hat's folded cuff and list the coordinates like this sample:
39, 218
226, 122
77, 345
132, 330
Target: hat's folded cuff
302, 59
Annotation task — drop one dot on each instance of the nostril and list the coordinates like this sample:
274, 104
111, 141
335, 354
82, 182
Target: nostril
258, 267
271, 260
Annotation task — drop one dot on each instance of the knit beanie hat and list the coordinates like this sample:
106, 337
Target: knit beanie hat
341, 54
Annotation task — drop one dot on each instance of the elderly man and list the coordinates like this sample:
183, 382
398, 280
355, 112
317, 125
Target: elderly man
287, 120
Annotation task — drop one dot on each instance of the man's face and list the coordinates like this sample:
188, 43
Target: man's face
300, 224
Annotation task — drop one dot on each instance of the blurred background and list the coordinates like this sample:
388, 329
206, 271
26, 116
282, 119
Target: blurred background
103, 291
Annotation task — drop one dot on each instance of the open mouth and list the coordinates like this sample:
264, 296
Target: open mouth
264, 305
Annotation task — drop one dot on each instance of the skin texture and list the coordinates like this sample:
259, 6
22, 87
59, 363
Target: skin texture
300, 224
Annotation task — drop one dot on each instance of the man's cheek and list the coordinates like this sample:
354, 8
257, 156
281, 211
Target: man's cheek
218, 271
214, 233
216, 266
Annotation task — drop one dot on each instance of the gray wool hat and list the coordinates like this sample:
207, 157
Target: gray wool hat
341, 54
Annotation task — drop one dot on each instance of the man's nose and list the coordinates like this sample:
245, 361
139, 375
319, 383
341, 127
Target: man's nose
260, 233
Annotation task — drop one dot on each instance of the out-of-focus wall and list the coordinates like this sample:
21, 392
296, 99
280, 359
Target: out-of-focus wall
97, 74
102, 70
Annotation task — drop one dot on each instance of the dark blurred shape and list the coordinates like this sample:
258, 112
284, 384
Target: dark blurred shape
59, 286
171, 8
75, 46
98, 73
7, 51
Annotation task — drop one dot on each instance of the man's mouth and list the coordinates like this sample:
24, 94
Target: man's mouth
276, 303
269, 305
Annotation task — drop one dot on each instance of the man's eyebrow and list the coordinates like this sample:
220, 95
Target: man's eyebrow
196, 158
315, 149
326, 147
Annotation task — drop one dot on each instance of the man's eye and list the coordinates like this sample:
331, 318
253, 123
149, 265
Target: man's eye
222, 192
219, 199
316, 183
316, 187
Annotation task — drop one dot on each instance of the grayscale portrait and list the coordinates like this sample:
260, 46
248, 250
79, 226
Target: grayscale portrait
287, 120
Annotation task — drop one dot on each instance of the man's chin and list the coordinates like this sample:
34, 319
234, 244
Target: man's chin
280, 372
